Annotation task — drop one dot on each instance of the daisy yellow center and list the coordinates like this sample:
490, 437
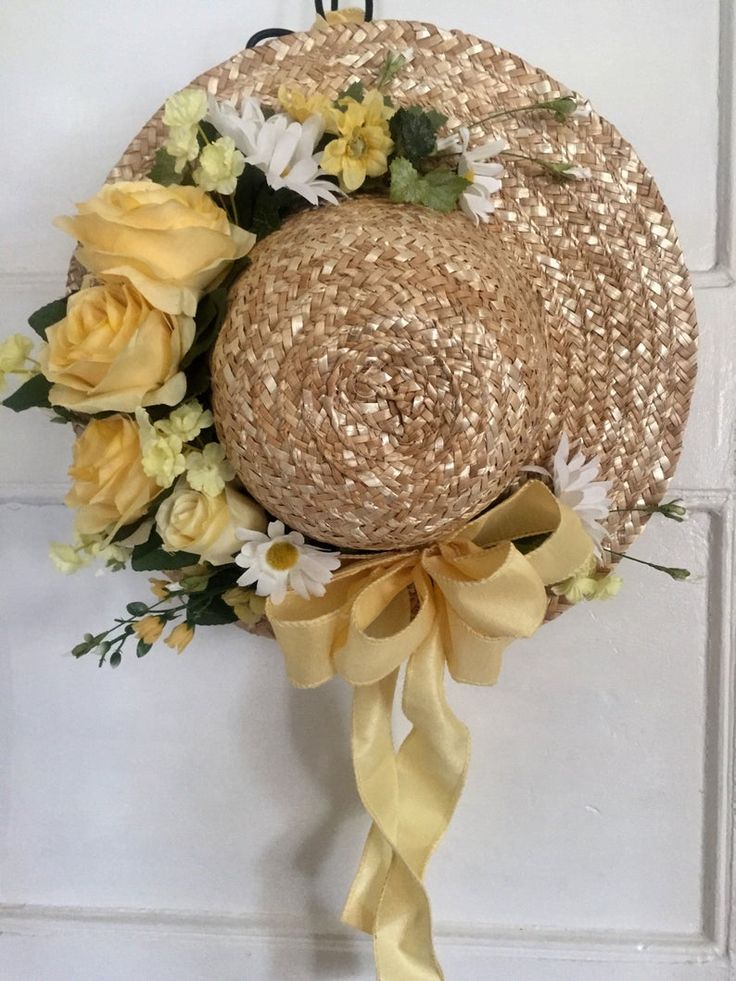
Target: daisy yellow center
469, 176
356, 147
282, 556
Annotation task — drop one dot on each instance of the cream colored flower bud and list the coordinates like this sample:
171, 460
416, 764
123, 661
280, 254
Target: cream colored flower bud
185, 108
183, 146
14, 351
67, 558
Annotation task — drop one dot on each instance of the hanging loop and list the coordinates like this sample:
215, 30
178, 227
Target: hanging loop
335, 5
265, 35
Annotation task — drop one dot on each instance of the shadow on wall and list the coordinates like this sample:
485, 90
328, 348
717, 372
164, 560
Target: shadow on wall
319, 728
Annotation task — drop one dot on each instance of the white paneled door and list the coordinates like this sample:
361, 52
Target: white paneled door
194, 818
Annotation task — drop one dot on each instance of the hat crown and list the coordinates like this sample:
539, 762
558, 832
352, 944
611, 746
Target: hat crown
380, 377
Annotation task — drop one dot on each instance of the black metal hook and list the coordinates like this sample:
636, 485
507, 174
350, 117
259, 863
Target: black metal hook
270, 32
265, 35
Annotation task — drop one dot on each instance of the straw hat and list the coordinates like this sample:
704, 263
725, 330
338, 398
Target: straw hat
384, 372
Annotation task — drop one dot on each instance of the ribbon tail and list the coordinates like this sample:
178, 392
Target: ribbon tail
411, 797
374, 762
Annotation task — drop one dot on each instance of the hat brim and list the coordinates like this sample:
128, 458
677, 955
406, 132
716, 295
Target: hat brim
603, 253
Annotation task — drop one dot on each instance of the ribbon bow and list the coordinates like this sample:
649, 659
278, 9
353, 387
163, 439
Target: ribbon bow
461, 602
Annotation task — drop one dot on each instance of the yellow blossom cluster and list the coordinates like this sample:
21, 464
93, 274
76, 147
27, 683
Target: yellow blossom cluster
589, 583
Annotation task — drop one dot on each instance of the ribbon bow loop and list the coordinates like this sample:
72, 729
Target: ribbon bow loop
460, 603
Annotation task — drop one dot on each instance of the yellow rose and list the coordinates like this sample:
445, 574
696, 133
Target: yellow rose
169, 242
109, 487
190, 521
114, 352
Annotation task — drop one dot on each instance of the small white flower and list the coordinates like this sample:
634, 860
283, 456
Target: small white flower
579, 173
576, 485
279, 561
220, 165
483, 177
582, 111
285, 153
209, 471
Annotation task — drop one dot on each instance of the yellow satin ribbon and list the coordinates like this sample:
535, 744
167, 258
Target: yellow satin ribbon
461, 602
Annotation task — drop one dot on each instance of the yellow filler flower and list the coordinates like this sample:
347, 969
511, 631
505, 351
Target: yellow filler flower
180, 637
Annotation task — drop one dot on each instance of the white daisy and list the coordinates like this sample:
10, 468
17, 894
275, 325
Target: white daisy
456, 142
483, 177
284, 151
576, 486
241, 127
279, 561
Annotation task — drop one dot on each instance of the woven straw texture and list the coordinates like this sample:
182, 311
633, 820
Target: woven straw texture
381, 375
442, 343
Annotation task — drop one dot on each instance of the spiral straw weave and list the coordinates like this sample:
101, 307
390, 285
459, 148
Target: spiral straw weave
381, 374
602, 256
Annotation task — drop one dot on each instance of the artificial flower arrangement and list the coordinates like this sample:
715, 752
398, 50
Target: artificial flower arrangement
127, 361
124, 358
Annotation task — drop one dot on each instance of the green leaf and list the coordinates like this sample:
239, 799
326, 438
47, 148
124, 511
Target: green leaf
437, 119
237, 267
137, 609
356, 90
531, 542
414, 132
164, 169
439, 189
205, 609
32, 394
207, 133
199, 380
208, 320
270, 208
249, 185
47, 315
404, 182
150, 556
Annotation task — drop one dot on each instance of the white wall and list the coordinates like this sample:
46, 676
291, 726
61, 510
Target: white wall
194, 817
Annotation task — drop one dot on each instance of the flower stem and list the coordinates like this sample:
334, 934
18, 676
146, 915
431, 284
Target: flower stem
561, 107
672, 571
